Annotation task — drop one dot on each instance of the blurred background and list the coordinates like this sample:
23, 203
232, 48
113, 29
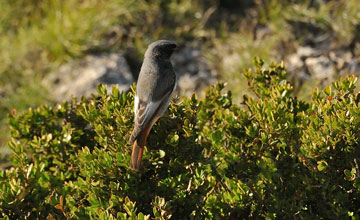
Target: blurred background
50, 49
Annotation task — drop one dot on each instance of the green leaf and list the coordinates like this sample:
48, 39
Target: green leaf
322, 165
162, 153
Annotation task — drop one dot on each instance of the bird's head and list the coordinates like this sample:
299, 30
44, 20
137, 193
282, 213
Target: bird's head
161, 49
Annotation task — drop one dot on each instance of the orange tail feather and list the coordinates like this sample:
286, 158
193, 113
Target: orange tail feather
136, 156
138, 148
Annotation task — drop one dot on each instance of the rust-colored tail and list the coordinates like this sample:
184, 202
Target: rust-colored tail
138, 148
136, 155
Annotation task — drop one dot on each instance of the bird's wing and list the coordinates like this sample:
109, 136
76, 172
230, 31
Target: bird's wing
147, 112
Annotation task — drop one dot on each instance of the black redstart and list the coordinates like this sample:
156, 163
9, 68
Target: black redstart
155, 87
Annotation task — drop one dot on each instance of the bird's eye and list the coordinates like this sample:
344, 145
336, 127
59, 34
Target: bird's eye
172, 46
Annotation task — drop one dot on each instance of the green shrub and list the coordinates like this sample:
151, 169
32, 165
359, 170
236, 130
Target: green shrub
273, 157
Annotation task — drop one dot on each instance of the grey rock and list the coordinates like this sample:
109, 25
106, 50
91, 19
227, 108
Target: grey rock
294, 62
320, 67
307, 52
195, 72
80, 78
345, 62
322, 63
352, 67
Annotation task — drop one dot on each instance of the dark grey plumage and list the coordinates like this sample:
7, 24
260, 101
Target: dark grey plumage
155, 86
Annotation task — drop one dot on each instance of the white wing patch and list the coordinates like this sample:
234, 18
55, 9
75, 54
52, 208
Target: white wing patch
136, 105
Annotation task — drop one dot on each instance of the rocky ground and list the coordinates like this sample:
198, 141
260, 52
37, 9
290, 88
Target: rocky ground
322, 63
81, 77
319, 61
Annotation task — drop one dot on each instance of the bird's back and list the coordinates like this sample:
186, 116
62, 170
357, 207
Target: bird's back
155, 79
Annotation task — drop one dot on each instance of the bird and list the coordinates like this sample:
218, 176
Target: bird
155, 87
